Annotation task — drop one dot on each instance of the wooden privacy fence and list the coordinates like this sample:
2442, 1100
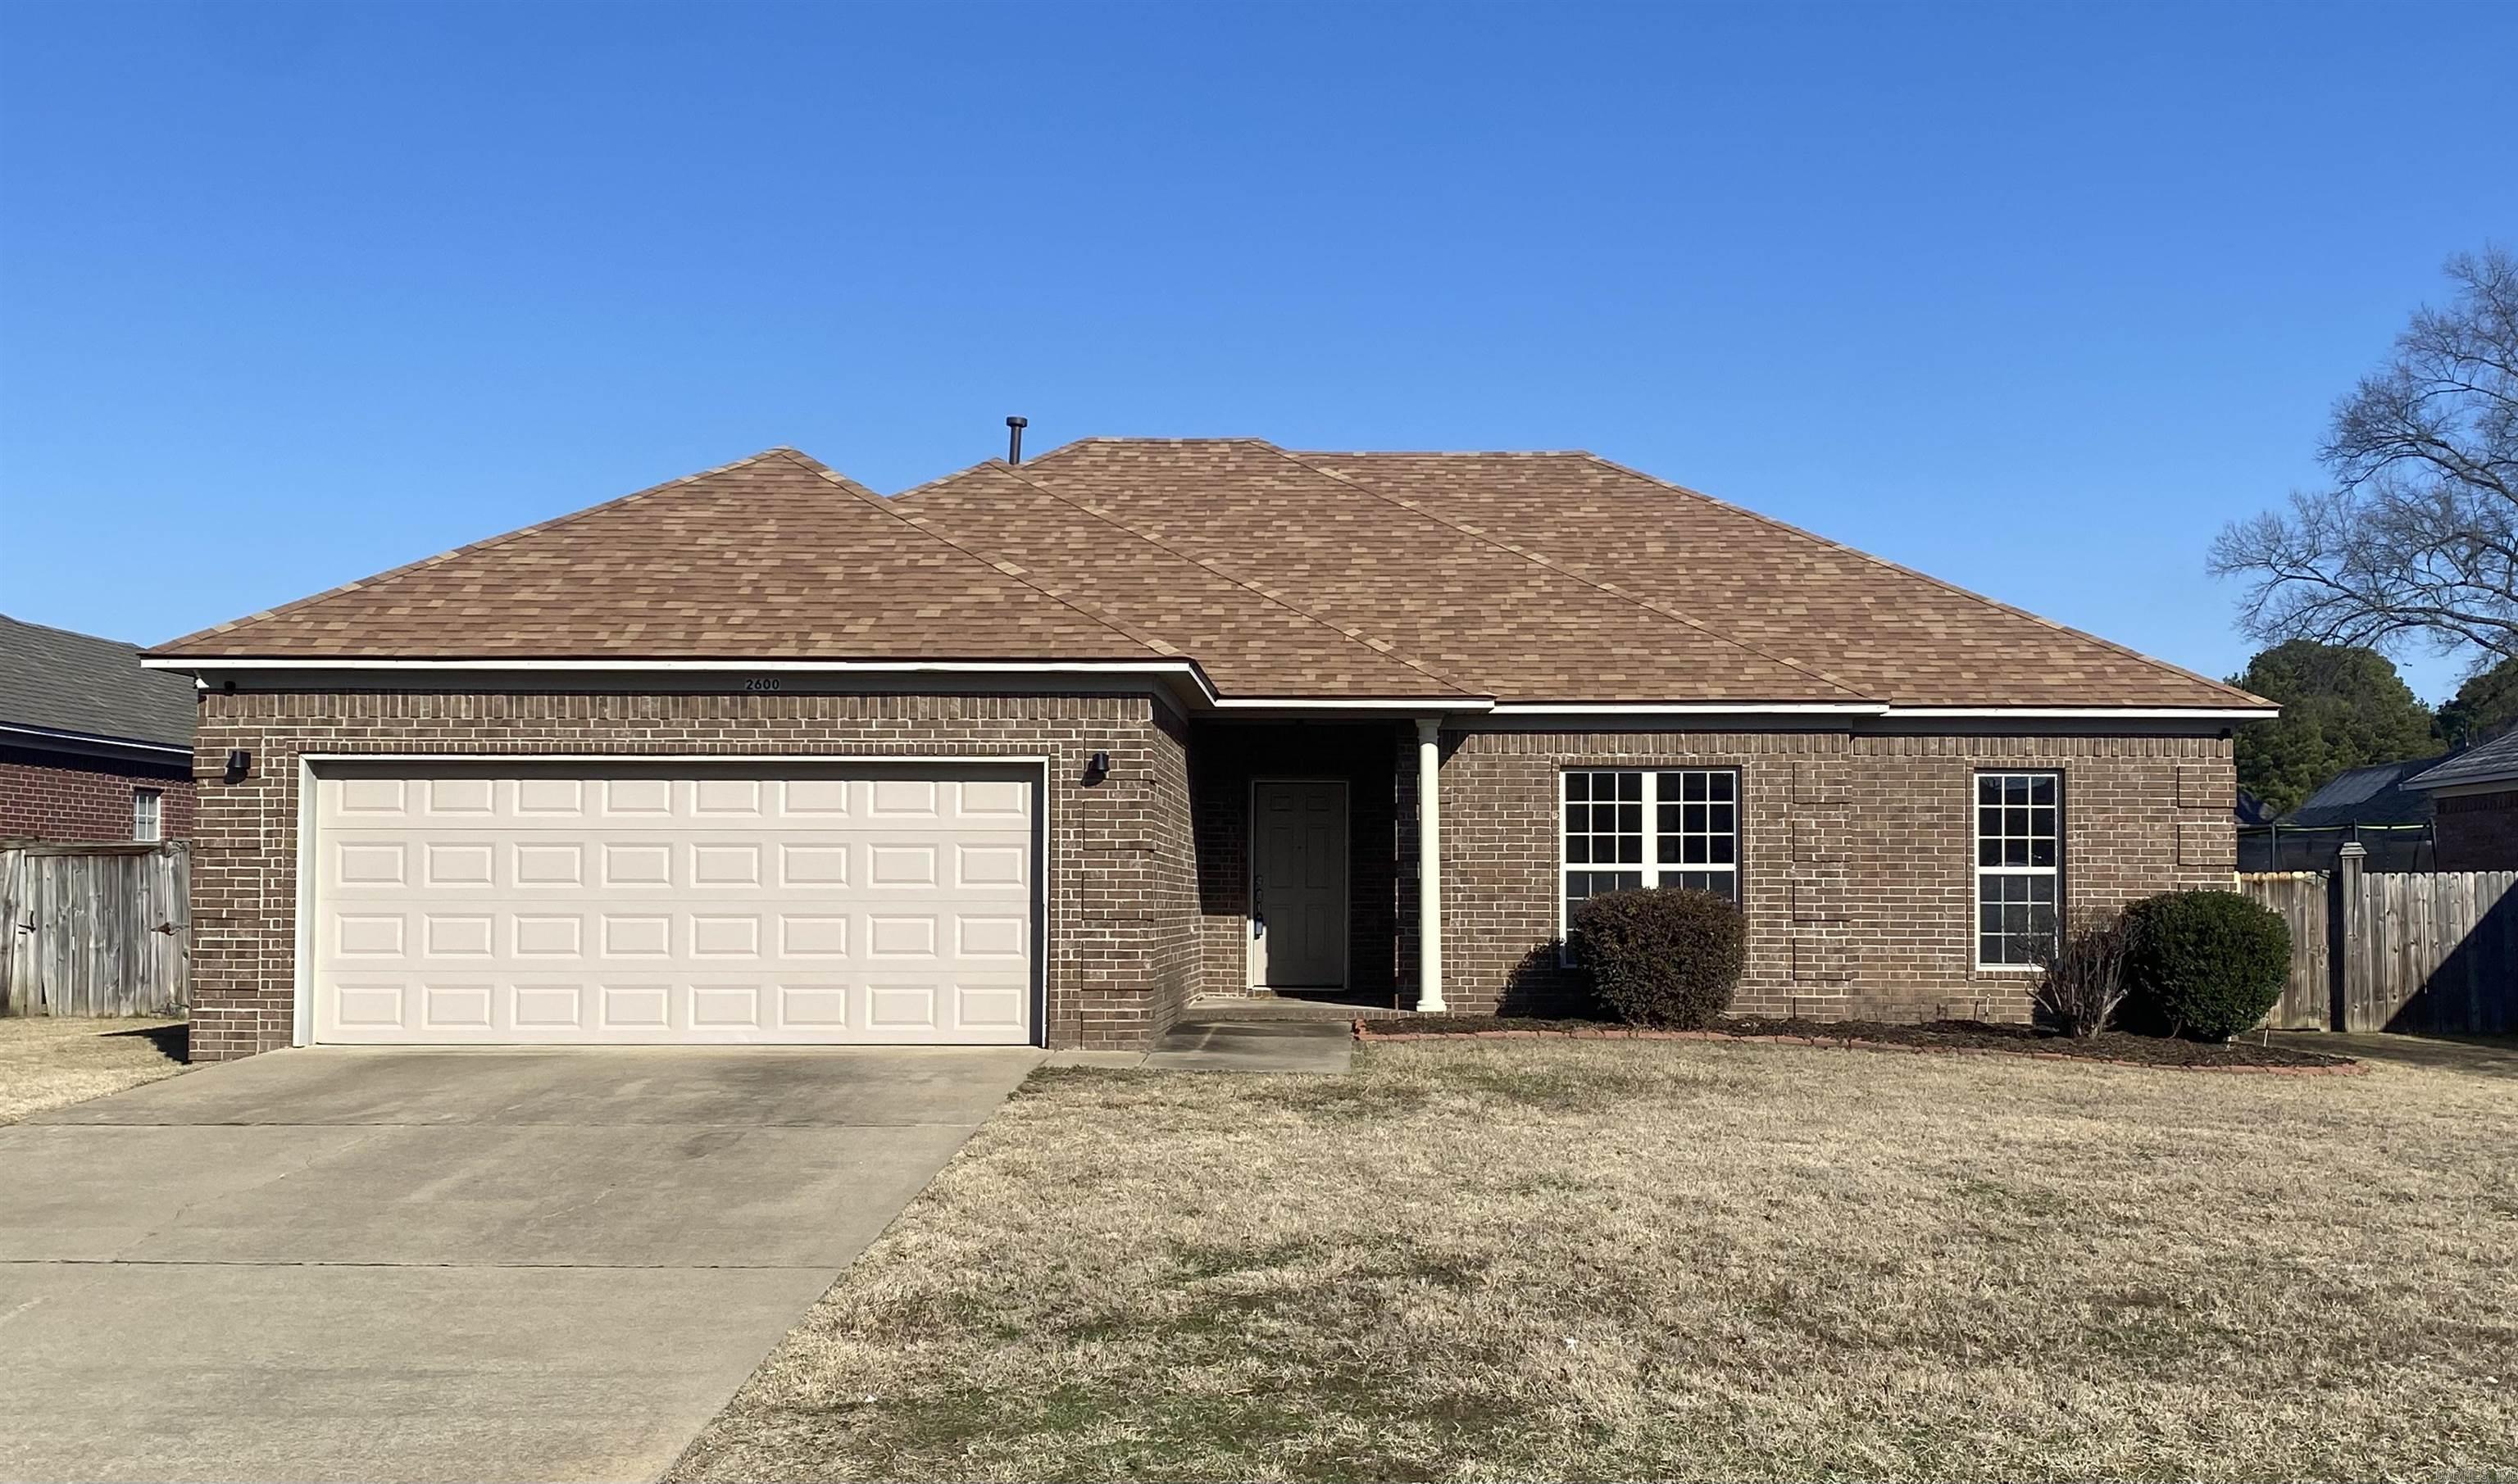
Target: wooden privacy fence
2395, 951
2302, 899
94, 929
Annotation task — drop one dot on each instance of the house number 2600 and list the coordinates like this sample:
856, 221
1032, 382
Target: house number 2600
763, 683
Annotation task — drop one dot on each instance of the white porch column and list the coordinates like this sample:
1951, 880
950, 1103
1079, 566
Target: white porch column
1429, 863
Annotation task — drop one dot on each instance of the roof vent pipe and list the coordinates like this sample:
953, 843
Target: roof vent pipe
1014, 438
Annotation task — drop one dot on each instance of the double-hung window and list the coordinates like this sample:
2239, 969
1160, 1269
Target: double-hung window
1632, 827
2019, 867
147, 823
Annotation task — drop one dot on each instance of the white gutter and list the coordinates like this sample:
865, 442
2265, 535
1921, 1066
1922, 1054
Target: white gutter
1168, 669
1472, 705
93, 742
1190, 672
1692, 708
1183, 670
2087, 713
766, 663
2495, 782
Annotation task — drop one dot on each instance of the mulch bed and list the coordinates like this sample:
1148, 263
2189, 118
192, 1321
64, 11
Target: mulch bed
1957, 1038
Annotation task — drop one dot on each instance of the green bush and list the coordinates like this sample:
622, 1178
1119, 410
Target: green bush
2204, 964
1664, 957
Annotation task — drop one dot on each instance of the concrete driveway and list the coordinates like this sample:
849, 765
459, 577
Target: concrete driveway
443, 1264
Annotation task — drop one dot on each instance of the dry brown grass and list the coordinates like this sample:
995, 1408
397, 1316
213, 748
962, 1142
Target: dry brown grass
49, 1060
1619, 1261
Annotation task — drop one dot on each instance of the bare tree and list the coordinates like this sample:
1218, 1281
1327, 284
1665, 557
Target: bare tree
2082, 983
2419, 535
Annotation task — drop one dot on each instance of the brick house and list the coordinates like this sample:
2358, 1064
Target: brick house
2474, 802
92, 746
1039, 751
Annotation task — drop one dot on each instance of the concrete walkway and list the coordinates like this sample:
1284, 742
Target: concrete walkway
482, 1265
1229, 1040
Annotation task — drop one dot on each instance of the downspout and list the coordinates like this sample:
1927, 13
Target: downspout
1429, 863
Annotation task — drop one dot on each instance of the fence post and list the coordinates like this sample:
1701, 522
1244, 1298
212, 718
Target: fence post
2350, 933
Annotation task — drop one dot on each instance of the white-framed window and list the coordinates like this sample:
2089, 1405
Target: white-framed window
147, 821
2019, 867
1628, 827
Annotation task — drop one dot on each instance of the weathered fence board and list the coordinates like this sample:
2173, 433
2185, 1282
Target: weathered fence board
2441, 953
94, 929
2300, 896
2395, 951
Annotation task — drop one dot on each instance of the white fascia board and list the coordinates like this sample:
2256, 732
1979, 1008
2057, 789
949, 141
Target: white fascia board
2485, 782
1475, 705
1166, 669
1186, 671
2085, 713
94, 743
721, 667
1692, 708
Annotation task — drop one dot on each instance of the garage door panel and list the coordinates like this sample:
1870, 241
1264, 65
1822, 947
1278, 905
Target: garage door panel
734, 907
450, 863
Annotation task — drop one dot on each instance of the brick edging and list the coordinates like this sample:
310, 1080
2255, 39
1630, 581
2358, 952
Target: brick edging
1364, 1032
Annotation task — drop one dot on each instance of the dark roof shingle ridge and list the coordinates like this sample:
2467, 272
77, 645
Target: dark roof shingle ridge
1789, 529
486, 543
1535, 559
1382, 648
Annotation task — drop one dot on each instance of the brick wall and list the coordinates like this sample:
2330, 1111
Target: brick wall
44, 798
2476, 831
1121, 896
1857, 857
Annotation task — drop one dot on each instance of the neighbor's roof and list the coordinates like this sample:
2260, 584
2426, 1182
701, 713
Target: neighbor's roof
57, 681
2378, 794
1530, 578
2493, 762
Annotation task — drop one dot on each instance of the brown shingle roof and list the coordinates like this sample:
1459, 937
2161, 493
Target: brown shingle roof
1248, 642
1528, 578
1457, 603
1890, 631
773, 556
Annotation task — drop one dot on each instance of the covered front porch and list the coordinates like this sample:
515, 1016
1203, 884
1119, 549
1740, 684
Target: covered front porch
1312, 869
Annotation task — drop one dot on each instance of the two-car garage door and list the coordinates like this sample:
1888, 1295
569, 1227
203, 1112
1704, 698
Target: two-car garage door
696, 902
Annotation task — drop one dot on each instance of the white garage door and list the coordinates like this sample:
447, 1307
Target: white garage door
693, 903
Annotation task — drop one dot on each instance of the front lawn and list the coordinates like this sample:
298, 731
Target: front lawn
1589, 1259
47, 1061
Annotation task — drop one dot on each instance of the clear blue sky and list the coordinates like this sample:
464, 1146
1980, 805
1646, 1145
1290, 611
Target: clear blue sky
2032, 297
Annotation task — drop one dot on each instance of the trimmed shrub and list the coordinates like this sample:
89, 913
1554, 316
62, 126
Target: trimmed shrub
1663, 957
2083, 979
2204, 964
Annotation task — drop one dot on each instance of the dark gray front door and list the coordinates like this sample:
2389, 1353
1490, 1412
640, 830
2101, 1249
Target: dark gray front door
1298, 903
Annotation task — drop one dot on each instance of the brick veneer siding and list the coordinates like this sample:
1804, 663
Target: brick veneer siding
1223, 761
49, 797
2476, 831
1857, 857
1122, 931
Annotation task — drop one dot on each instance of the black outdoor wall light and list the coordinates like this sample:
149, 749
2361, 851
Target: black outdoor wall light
239, 763
1098, 769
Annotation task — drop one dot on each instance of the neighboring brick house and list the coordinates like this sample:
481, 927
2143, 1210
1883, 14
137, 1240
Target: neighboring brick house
1037, 752
92, 746
2474, 801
